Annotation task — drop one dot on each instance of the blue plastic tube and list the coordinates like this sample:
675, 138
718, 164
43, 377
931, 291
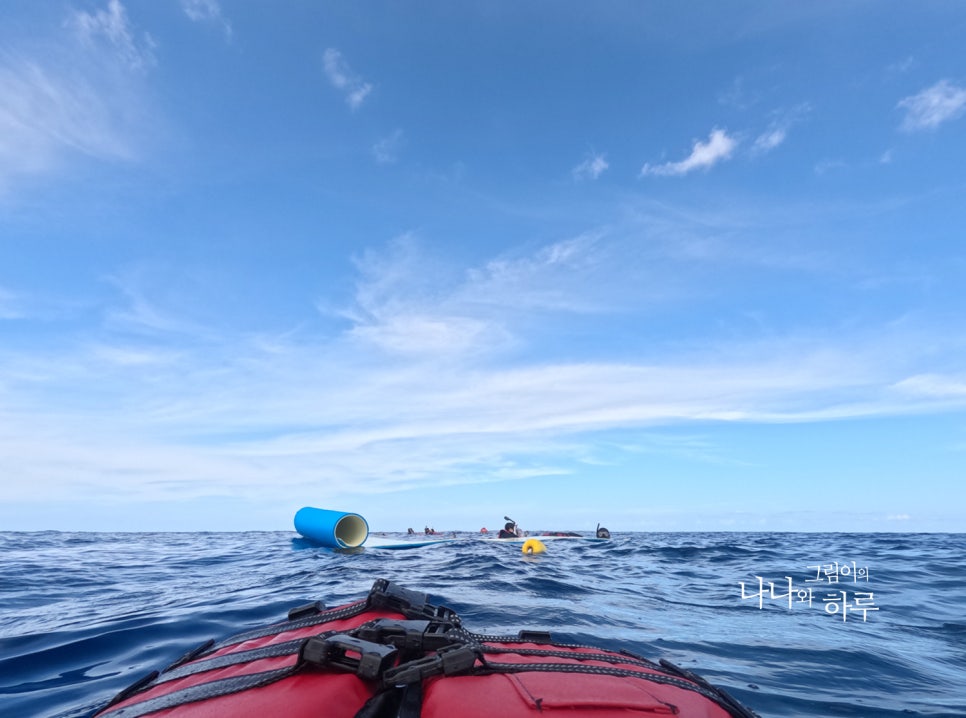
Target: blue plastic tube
335, 529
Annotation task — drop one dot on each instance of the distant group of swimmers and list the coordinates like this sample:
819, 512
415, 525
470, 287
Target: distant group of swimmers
511, 530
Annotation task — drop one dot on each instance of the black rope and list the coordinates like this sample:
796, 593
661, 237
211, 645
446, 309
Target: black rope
585, 656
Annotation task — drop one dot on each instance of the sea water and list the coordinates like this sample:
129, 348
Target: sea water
792, 624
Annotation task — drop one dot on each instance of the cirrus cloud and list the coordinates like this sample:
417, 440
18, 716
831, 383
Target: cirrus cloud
111, 26
704, 155
206, 11
591, 168
342, 77
80, 91
935, 105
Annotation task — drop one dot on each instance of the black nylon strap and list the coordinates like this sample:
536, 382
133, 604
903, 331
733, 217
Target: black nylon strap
412, 701
335, 614
202, 692
232, 659
383, 704
302, 620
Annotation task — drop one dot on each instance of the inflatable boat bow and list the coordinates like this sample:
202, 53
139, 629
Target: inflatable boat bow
396, 654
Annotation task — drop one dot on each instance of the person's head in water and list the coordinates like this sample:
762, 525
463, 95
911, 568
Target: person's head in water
602, 532
510, 526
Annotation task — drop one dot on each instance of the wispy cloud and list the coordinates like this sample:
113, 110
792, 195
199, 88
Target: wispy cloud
9, 305
937, 386
83, 94
238, 421
145, 304
770, 139
704, 155
901, 67
591, 168
112, 28
48, 114
738, 96
206, 11
342, 77
827, 165
777, 132
386, 150
559, 277
440, 374
933, 107
403, 307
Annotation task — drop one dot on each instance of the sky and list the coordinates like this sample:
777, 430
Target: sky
660, 266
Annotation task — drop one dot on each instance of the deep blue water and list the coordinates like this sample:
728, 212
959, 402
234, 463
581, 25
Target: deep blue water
82, 615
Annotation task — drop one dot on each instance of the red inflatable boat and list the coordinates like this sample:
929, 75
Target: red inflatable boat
395, 654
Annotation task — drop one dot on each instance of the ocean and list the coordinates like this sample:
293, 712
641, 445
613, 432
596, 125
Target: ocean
791, 624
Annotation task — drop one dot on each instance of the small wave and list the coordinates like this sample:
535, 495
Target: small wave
86, 614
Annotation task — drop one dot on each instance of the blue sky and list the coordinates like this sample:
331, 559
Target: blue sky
664, 266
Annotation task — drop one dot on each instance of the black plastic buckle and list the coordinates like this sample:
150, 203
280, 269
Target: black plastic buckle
448, 661
348, 653
411, 635
535, 636
412, 604
306, 610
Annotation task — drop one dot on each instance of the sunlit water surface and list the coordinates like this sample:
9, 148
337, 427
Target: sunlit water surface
82, 615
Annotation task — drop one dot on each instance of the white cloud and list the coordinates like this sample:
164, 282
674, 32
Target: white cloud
111, 26
146, 293
778, 129
239, 421
47, 115
935, 386
737, 95
386, 150
9, 305
591, 168
80, 94
405, 305
206, 11
437, 380
430, 334
570, 275
704, 155
343, 78
408, 302
902, 66
933, 106
132, 355
829, 165
770, 139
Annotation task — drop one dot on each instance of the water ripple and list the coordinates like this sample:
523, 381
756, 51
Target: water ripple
86, 614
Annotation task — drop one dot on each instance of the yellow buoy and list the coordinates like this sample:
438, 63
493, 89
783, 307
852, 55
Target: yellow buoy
532, 546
